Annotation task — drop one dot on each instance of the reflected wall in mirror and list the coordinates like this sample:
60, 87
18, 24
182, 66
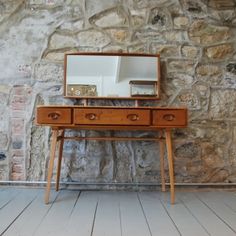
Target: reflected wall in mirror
110, 75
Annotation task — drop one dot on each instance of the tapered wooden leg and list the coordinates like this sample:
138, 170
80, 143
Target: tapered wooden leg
163, 184
51, 163
170, 163
61, 143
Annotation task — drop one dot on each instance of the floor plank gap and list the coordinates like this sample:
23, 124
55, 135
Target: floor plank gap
217, 215
144, 214
94, 218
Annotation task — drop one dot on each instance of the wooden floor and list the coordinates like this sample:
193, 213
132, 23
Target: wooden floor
109, 213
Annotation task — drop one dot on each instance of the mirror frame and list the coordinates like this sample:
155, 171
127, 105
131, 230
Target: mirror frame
157, 97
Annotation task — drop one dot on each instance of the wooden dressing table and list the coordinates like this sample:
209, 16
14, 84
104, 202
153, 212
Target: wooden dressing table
61, 118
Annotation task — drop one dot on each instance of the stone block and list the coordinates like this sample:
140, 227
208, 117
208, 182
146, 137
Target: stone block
73, 26
204, 33
17, 126
221, 5
90, 38
60, 41
17, 142
194, 7
17, 176
92, 7
48, 72
18, 102
221, 104
188, 150
9, 7
119, 35
150, 3
222, 51
4, 139
165, 50
181, 22
190, 99
208, 70
186, 66
110, 18
180, 80
174, 36
148, 35
138, 17
4, 172
190, 51
139, 48
58, 56
160, 19
4, 99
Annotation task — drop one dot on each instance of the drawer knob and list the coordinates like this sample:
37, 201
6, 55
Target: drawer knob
133, 117
90, 116
169, 117
54, 115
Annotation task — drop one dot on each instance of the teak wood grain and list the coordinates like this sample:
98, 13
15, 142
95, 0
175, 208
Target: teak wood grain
60, 118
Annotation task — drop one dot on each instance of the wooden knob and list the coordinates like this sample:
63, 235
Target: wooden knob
133, 117
169, 117
54, 115
90, 116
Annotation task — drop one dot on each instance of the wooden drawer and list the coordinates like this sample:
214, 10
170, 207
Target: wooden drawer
169, 117
54, 115
111, 116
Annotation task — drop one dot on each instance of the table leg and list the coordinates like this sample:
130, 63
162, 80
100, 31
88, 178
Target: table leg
163, 185
170, 163
61, 143
51, 163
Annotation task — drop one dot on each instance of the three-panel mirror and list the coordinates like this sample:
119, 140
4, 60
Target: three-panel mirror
110, 75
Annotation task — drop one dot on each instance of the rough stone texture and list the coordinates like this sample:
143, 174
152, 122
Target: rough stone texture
190, 51
204, 33
111, 17
196, 41
181, 22
219, 52
92, 38
222, 104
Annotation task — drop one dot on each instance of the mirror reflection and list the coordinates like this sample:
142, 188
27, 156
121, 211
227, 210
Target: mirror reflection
108, 75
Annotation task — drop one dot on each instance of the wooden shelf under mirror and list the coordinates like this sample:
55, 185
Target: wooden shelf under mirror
112, 76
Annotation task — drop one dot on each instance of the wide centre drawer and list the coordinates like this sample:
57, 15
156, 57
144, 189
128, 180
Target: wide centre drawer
169, 117
54, 115
111, 116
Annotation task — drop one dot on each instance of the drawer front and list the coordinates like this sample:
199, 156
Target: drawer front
46, 115
169, 118
112, 116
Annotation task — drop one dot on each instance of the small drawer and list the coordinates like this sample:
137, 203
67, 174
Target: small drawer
169, 117
111, 116
53, 115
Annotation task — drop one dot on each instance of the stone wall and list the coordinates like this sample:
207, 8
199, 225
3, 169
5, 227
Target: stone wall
196, 40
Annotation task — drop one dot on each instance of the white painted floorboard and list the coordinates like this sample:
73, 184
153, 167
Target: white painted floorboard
215, 203
107, 221
205, 215
116, 213
133, 221
159, 221
184, 220
82, 218
31, 218
14, 209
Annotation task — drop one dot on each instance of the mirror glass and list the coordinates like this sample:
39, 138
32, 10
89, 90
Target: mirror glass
112, 76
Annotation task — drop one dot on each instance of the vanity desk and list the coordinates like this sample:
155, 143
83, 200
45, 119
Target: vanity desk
124, 73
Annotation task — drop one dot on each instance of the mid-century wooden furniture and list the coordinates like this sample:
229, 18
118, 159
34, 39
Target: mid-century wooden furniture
160, 119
